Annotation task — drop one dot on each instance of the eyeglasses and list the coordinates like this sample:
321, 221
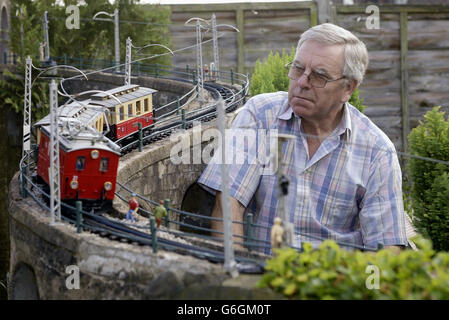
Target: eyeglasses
316, 80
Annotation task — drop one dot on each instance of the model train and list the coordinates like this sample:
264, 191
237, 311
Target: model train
88, 155
136, 106
88, 165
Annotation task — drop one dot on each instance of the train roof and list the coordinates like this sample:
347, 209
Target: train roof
123, 94
88, 111
82, 138
85, 113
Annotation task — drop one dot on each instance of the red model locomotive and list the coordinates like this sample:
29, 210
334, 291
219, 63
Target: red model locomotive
88, 160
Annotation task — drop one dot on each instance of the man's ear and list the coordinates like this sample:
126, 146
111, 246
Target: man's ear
349, 87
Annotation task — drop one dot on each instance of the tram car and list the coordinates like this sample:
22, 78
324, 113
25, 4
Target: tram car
136, 105
88, 160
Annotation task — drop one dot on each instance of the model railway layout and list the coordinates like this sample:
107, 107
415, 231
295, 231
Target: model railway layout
93, 134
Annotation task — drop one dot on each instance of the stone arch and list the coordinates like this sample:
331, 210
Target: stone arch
23, 285
197, 200
4, 36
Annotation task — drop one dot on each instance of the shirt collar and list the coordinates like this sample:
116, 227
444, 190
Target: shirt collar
286, 111
344, 129
345, 126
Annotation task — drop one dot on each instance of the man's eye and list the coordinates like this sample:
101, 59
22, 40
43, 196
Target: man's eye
320, 76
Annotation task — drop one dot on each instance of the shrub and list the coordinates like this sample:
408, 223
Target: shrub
12, 94
271, 76
430, 180
356, 101
334, 273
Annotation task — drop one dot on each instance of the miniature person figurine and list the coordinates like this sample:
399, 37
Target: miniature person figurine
277, 233
160, 212
206, 71
41, 51
212, 71
133, 207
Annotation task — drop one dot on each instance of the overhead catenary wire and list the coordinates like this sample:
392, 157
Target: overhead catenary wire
120, 21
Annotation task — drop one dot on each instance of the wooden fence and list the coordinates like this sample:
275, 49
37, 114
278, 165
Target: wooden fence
409, 63
263, 27
409, 54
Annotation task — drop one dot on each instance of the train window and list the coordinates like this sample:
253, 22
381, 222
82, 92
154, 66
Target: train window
138, 107
130, 110
122, 113
104, 164
80, 161
145, 105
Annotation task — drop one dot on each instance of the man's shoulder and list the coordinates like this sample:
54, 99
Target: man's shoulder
267, 106
366, 132
271, 96
272, 100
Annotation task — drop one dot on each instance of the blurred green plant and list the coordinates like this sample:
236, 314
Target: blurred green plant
430, 187
94, 39
330, 272
356, 101
12, 91
271, 75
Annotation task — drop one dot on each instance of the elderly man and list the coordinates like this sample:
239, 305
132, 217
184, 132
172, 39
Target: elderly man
345, 178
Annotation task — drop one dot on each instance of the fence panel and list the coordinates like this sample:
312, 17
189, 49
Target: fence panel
263, 27
408, 72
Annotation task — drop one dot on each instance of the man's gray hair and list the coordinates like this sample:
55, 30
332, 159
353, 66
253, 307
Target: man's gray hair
356, 55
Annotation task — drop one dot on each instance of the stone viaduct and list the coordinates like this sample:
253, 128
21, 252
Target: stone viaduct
44, 256
5, 24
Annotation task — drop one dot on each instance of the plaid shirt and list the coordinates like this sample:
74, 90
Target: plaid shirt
350, 191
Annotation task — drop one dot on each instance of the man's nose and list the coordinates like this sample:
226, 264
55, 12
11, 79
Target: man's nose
303, 81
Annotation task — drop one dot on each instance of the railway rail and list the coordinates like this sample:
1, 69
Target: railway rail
167, 126
117, 231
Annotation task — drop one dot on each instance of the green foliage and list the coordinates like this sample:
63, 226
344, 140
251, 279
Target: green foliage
430, 188
356, 101
272, 76
334, 273
24, 33
95, 39
12, 94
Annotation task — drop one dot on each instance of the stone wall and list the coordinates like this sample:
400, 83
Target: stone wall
40, 252
152, 173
